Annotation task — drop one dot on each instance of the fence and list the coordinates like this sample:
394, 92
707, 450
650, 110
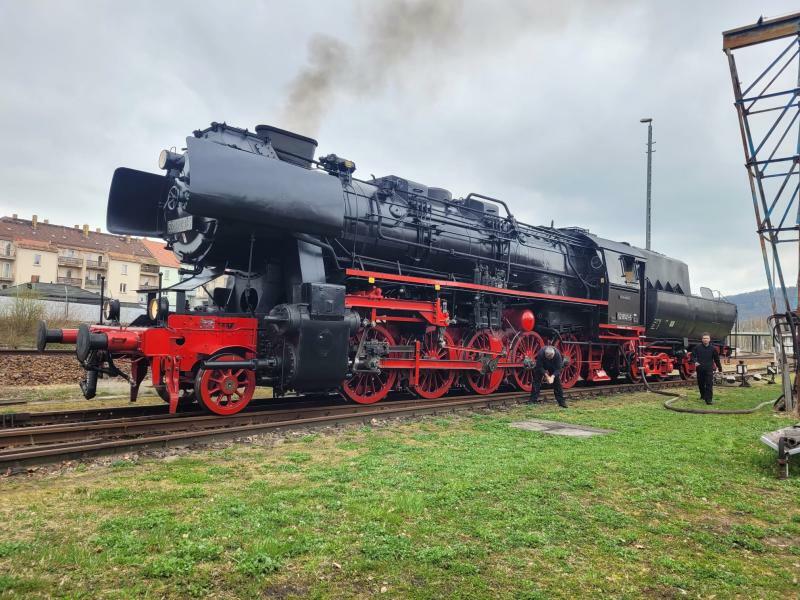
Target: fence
75, 310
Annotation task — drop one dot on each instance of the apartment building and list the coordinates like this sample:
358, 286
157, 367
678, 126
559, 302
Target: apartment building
170, 275
168, 269
37, 251
40, 252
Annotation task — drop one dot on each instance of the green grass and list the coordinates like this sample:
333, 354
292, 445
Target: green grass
668, 505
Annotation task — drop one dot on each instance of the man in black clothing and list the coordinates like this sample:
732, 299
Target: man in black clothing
549, 364
705, 356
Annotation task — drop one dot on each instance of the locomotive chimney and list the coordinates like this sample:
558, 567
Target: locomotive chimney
34, 220
85, 230
47, 221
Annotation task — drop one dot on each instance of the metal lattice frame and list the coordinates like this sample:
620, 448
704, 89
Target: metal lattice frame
768, 106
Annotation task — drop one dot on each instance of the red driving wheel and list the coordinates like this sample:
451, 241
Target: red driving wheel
225, 391
486, 347
571, 372
525, 346
368, 388
435, 383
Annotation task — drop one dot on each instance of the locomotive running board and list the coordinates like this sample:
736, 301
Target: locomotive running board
373, 276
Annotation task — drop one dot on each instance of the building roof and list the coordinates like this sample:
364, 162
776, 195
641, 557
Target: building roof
35, 245
58, 292
54, 291
164, 257
46, 236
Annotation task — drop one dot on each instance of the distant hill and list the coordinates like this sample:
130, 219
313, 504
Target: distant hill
756, 304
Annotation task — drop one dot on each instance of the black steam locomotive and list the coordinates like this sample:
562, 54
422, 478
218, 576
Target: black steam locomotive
366, 287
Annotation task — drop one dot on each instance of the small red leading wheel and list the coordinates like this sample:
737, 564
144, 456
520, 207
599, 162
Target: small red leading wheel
225, 391
185, 395
435, 383
484, 346
571, 372
525, 346
368, 388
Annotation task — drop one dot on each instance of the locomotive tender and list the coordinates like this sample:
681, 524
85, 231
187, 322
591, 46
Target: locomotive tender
366, 287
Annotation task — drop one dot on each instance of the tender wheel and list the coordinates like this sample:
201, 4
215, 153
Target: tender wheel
435, 383
368, 388
632, 372
571, 372
490, 378
225, 391
524, 349
686, 368
611, 364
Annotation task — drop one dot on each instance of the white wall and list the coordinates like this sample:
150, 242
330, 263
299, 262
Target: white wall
73, 311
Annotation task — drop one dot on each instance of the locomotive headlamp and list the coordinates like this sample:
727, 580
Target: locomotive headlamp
158, 308
152, 309
111, 310
169, 160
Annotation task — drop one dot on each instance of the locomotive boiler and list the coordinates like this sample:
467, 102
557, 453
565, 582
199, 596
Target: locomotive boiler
368, 287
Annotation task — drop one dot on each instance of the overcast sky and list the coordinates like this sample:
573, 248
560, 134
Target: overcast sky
520, 100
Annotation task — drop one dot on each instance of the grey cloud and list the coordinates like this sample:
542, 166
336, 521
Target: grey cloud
535, 102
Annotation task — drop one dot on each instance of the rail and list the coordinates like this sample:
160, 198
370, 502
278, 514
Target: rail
76, 281
145, 268
70, 261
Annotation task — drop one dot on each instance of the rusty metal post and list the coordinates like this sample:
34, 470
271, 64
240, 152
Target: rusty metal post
773, 166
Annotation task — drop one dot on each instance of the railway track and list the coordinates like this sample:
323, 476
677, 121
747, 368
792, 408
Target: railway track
36, 444
86, 415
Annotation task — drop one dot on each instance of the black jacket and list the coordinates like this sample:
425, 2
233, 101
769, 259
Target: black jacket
550, 365
706, 356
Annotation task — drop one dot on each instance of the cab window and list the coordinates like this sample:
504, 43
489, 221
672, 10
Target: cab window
630, 270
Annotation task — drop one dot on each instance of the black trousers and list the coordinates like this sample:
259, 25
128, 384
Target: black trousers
705, 383
558, 391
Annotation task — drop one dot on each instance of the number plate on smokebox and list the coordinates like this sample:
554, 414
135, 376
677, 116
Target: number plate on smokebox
179, 225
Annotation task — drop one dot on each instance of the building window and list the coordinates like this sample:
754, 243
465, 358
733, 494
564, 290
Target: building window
123, 287
100, 259
37, 260
6, 270
34, 279
166, 275
124, 269
69, 273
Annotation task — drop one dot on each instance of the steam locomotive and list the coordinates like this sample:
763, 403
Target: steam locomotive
370, 287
